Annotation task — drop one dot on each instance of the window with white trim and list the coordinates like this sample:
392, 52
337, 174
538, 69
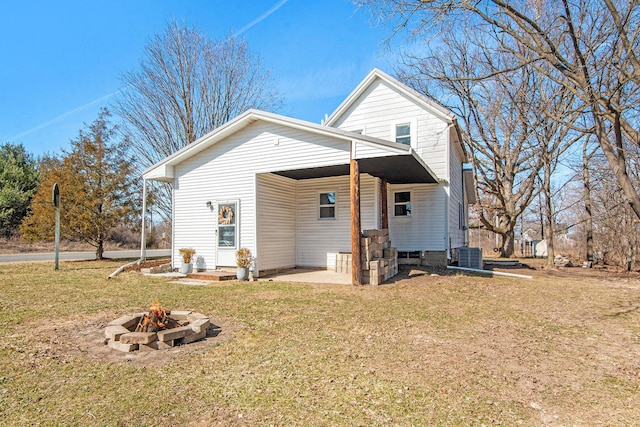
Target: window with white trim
402, 203
327, 205
403, 133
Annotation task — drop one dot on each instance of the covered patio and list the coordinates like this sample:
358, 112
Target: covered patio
400, 168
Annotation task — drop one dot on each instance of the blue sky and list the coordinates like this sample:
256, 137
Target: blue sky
63, 61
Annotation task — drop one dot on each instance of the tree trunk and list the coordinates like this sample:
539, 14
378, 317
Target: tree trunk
356, 227
100, 249
508, 244
587, 203
549, 219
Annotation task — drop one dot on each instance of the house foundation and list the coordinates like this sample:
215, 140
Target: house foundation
423, 258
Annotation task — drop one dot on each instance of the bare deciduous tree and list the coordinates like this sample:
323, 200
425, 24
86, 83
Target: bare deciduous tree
589, 47
587, 155
500, 120
186, 86
553, 138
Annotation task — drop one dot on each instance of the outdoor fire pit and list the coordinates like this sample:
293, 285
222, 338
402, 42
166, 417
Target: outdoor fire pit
157, 329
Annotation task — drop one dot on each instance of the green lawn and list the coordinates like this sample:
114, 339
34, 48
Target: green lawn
561, 349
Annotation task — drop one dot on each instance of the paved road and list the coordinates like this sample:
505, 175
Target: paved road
80, 256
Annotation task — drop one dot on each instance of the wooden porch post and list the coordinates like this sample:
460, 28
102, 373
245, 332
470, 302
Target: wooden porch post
384, 219
356, 260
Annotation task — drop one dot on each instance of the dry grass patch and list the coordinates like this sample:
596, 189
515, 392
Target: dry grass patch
560, 349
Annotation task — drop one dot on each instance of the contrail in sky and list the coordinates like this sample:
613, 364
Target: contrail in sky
261, 17
63, 116
95, 101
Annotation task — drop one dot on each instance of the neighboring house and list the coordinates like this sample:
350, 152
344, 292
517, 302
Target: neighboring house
281, 186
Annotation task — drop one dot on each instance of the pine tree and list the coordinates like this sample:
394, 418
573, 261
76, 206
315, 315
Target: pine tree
18, 182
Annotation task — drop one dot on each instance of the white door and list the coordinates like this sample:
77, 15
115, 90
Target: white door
227, 233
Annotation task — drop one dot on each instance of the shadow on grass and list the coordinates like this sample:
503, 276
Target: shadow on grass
406, 272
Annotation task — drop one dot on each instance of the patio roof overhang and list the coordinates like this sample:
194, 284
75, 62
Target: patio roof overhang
396, 169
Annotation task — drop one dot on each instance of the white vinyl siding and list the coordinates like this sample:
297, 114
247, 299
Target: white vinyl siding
318, 240
426, 228
365, 150
381, 107
226, 171
276, 207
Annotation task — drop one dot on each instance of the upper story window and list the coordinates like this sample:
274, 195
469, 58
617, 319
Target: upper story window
402, 203
327, 205
403, 133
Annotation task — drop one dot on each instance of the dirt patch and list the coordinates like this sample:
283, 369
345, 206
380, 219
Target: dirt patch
84, 337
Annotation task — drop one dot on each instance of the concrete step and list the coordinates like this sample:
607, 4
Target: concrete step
214, 276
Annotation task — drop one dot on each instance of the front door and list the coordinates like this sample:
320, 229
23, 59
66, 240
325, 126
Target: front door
227, 232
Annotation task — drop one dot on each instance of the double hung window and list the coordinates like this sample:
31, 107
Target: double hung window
403, 133
402, 203
327, 205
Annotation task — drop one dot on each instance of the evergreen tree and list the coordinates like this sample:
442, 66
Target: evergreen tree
96, 188
18, 183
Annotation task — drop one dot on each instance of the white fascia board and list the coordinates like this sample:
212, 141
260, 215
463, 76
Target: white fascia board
459, 144
163, 172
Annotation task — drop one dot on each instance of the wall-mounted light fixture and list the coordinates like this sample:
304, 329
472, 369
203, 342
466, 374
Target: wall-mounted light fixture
209, 204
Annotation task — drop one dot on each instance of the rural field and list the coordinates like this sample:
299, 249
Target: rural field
561, 349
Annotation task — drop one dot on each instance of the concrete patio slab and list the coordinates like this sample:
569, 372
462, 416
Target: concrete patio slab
309, 276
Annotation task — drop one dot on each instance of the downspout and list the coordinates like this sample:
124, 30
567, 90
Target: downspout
448, 204
256, 228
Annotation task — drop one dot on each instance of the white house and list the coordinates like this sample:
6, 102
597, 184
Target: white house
284, 188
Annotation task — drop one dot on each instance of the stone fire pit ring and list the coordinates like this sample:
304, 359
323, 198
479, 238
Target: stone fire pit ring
120, 334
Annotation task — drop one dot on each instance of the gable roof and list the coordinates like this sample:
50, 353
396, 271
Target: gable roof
426, 103
377, 74
163, 170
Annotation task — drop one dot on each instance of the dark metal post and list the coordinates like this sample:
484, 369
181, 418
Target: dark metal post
55, 196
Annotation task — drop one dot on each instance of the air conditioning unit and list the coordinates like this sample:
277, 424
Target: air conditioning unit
470, 257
